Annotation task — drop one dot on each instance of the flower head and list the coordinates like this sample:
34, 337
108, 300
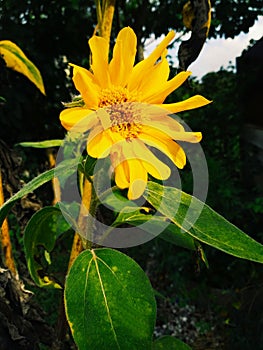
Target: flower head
129, 111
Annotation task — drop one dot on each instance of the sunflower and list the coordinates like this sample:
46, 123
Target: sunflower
122, 106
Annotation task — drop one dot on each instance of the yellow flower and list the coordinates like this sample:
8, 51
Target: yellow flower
130, 113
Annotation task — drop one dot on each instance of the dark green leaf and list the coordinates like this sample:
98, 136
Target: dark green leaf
109, 302
89, 165
202, 222
34, 184
41, 233
169, 343
155, 224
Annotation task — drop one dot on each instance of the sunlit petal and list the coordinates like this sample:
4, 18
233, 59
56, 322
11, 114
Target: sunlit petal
83, 80
124, 52
138, 178
104, 118
141, 70
100, 48
152, 164
167, 146
191, 103
157, 52
164, 132
158, 75
82, 119
164, 123
99, 143
121, 175
120, 167
163, 90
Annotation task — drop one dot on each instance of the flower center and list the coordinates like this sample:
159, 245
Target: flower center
116, 95
125, 120
124, 114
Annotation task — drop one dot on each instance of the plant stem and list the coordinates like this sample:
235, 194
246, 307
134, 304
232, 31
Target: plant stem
79, 244
77, 247
5, 238
55, 182
105, 16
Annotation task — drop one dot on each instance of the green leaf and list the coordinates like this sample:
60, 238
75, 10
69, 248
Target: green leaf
169, 343
16, 59
175, 236
109, 302
89, 165
42, 144
34, 184
117, 201
41, 233
202, 222
155, 224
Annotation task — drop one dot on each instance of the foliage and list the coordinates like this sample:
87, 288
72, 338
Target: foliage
106, 266
171, 343
116, 298
16, 60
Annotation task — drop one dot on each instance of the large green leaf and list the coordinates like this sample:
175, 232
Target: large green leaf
169, 343
34, 184
17, 60
40, 234
109, 302
203, 223
155, 224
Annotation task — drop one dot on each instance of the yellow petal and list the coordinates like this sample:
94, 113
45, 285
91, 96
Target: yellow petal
158, 75
99, 48
157, 52
104, 117
140, 71
99, 143
151, 163
124, 52
164, 131
193, 137
163, 123
82, 119
191, 103
162, 91
157, 120
121, 175
129, 171
138, 178
166, 145
117, 155
89, 91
